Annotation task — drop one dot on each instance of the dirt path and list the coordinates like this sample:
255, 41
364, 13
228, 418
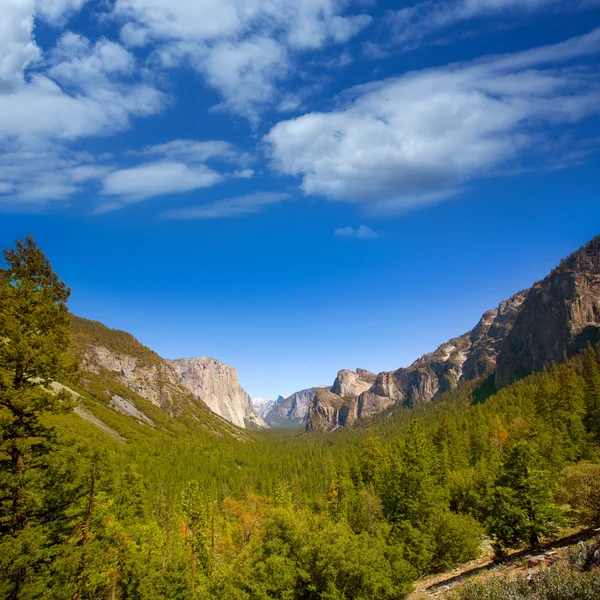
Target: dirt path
517, 563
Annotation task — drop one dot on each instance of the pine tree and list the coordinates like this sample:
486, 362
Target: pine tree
522, 506
34, 336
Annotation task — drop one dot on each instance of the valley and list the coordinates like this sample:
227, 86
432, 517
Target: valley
351, 491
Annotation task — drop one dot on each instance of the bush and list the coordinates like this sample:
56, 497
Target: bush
556, 583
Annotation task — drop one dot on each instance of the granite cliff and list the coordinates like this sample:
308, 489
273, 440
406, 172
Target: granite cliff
560, 315
291, 411
217, 385
118, 356
556, 317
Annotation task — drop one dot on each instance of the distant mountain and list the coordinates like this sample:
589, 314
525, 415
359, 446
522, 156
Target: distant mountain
556, 317
291, 411
116, 356
264, 405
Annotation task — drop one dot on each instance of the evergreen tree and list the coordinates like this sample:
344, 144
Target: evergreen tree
34, 336
522, 504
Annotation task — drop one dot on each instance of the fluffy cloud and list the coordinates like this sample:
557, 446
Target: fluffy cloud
415, 138
32, 177
361, 233
56, 12
241, 47
229, 207
17, 48
155, 179
175, 167
80, 89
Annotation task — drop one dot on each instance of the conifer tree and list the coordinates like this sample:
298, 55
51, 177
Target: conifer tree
34, 336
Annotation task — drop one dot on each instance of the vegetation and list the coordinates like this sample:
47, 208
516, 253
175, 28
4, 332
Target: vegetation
189, 507
573, 581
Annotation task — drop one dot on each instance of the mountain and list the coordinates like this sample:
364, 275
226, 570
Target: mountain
264, 405
291, 411
113, 358
556, 317
216, 384
560, 315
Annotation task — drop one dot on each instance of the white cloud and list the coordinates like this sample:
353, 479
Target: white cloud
245, 72
33, 177
155, 179
17, 47
229, 207
361, 233
80, 89
241, 47
177, 166
56, 12
412, 25
409, 139
194, 151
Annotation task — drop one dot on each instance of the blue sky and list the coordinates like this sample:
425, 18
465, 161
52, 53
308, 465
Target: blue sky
299, 187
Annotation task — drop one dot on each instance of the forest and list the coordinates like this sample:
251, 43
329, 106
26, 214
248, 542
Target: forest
186, 510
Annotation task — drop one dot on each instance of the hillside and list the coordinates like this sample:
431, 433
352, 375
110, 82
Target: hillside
555, 318
173, 386
131, 487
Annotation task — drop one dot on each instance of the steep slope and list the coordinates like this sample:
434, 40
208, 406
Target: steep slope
560, 315
114, 356
217, 385
292, 411
554, 318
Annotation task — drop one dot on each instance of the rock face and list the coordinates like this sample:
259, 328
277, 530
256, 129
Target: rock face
264, 405
325, 411
291, 411
168, 384
217, 385
461, 359
349, 383
153, 380
554, 318
560, 315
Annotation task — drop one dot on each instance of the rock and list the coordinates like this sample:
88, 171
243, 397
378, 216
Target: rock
155, 381
556, 317
559, 316
325, 411
264, 405
217, 385
168, 384
349, 383
291, 411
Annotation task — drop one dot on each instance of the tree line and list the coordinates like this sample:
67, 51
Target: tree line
186, 514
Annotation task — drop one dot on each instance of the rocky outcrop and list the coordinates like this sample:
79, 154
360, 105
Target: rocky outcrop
560, 315
327, 411
291, 411
461, 359
153, 380
169, 384
217, 385
350, 383
557, 317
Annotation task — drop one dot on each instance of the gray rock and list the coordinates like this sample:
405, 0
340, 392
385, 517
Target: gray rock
217, 385
555, 318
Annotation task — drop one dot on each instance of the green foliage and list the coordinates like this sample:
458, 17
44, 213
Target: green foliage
556, 583
34, 336
85, 332
580, 488
191, 507
522, 503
